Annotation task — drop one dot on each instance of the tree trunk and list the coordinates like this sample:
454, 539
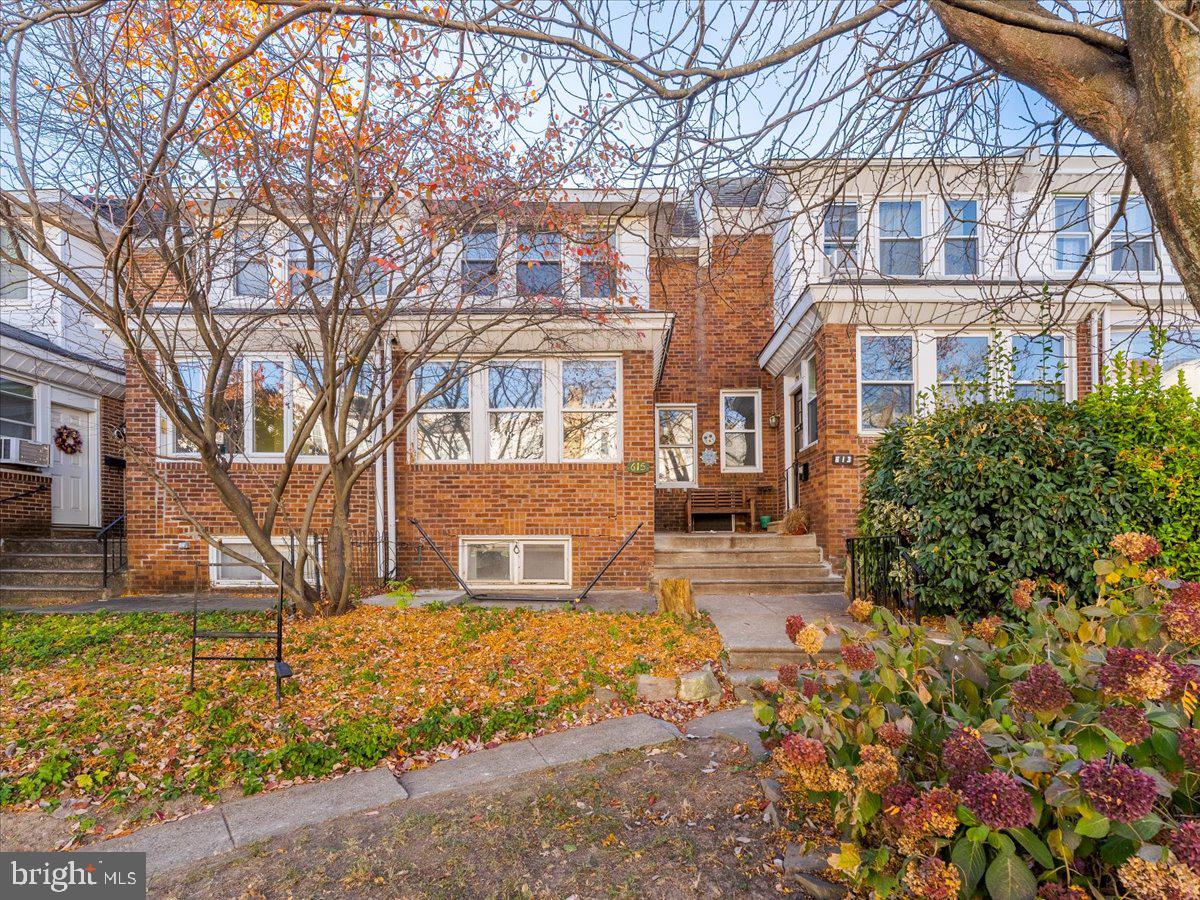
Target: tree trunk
338, 562
675, 596
1142, 101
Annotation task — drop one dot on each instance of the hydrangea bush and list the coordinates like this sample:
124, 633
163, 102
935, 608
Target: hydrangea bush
1052, 756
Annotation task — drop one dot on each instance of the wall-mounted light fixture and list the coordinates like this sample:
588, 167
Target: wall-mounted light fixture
773, 421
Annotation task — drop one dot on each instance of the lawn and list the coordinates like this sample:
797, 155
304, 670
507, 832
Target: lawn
96, 710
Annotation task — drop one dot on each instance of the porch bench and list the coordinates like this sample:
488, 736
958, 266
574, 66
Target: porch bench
730, 502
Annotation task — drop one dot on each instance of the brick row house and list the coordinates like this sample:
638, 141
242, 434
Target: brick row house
768, 336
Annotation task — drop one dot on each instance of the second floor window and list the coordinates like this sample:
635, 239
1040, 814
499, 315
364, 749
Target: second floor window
596, 268
252, 270
479, 274
962, 237
316, 276
539, 265
14, 280
841, 237
1132, 238
900, 238
1072, 232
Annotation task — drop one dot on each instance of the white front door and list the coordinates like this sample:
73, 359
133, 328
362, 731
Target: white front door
71, 473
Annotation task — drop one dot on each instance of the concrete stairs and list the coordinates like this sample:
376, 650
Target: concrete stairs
739, 563
56, 567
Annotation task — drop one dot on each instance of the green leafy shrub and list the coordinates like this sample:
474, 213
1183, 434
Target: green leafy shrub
1055, 755
992, 492
1156, 431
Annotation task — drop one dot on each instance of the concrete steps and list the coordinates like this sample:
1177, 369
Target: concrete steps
739, 563
66, 566
728, 540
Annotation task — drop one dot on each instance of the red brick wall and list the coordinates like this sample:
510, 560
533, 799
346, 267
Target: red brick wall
26, 514
724, 315
112, 475
831, 493
597, 504
164, 547
1083, 356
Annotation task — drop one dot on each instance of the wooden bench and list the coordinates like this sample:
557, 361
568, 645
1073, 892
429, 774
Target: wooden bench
730, 502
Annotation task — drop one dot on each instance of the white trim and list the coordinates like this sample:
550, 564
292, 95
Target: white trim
1056, 232
674, 485
281, 543
946, 237
758, 428
858, 374
808, 394
516, 560
879, 240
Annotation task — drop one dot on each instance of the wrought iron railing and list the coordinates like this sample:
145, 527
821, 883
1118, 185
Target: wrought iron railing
113, 549
880, 569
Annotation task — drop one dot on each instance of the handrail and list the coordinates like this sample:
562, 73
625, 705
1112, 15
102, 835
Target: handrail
23, 494
883, 571
113, 551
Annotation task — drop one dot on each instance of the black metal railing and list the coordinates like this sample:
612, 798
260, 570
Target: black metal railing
113, 550
881, 570
368, 563
23, 494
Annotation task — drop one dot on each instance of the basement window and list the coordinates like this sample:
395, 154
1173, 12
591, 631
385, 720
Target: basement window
510, 561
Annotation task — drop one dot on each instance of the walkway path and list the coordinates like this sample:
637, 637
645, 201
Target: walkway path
247, 820
753, 627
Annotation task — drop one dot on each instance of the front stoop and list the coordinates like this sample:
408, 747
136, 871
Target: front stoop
733, 563
56, 567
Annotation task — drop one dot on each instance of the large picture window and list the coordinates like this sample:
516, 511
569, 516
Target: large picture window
741, 431
885, 368
516, 412
589, 409
675, 449
443, 423
1039, 367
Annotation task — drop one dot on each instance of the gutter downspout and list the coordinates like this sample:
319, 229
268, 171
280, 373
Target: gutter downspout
390, 460
380, 564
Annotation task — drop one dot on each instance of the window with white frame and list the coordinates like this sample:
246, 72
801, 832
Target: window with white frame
962, 368
442, 424
506, 561
900, 235
1072, 232
267, 385
228, 406
307, 389
226, 570
539, 265
741, 431
886, 383
1038, 367
1176, 350
590, 392
596, 267
315, 275
808, 371
18, 410
251, 268
480, 276
516, 412
1131, 243
14, 279
552, 409
675, 446
841, 238
961, 248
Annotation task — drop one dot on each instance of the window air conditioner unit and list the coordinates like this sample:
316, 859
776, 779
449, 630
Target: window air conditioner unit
24, 453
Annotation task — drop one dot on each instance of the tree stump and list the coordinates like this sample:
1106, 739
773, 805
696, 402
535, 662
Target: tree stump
675, 596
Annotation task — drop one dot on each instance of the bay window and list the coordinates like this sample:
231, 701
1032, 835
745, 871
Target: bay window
589, 404
1073, 232
550, 410
962, 239
516, 413
675, 446
900, 238
886, 388
1132, 240
17, 410
1039, 367
443, 423
741, 431
962, 368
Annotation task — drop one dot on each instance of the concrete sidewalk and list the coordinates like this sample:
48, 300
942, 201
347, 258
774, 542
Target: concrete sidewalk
753, 626
247, 820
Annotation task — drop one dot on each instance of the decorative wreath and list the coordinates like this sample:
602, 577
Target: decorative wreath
68, 439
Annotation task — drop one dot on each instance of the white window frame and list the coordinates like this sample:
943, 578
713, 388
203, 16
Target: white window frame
516, 560
1069, 361
808, 397
247, 361
488, 409
757, 430
1085, 232
553, 422
616, 411
35, 397
990, 375
914, 381
853, 262
948, 221
282, 544
687, 407
880, 240
1114, 243
15, 282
